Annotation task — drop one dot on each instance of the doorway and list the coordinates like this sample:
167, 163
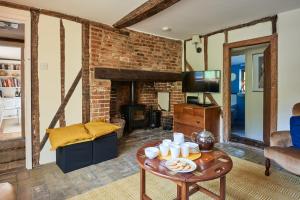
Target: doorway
10, 92
247, 93
238, 90
11, 79
269, 104
12, 134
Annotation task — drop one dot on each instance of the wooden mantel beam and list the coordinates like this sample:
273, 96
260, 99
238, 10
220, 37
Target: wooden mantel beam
146, 10
135, 75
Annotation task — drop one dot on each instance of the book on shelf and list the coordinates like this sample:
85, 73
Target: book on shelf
10, 82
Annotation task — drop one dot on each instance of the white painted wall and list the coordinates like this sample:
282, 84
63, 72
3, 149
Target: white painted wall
21, 16
288, 65
250, 32
49, 77
73, 58
215, 60
196, 60
49, 74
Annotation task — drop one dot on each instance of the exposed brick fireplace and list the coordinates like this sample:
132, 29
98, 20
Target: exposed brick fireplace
136, 51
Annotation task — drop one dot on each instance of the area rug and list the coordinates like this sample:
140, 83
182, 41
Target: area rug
245, 181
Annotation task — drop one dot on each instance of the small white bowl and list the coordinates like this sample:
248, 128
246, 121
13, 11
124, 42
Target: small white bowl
151, 152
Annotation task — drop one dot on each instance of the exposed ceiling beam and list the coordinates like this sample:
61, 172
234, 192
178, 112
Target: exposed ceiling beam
146, 10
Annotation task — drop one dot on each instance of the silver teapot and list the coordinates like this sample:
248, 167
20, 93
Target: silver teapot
204, 139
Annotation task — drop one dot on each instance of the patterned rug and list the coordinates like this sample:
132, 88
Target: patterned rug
245, 181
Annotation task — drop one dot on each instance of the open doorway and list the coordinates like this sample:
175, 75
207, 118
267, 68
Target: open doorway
11, 78
238, 89
264, 83
247, 92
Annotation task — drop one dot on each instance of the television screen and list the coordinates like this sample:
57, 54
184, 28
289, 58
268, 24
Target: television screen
201, 81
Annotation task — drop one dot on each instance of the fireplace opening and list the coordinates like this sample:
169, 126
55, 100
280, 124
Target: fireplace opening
124, 105
144, 104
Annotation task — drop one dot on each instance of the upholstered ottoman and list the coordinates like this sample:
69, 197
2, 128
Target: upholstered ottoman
105, 148
81, 145
74, 156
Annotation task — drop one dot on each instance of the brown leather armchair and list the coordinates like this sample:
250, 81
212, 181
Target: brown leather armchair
281, 150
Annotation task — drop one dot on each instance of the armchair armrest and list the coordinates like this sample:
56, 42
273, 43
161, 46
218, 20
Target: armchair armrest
281, 139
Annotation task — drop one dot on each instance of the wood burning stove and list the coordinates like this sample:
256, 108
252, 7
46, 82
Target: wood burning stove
133, 113
135, 116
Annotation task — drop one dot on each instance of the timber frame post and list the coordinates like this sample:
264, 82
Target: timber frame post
85, 72
62, 119
35, 111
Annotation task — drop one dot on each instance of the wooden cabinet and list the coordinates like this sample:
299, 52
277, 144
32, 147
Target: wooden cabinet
189, 118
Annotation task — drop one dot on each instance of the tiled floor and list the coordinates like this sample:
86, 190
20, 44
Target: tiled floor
48, 182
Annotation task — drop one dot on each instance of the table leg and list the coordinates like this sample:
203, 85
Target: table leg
178, 192
184, 191
222, 187
142, 183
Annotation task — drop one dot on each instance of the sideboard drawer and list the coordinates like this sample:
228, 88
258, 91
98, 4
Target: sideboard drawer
199, 113
190, 118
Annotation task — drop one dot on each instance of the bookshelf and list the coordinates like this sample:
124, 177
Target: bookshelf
10, 78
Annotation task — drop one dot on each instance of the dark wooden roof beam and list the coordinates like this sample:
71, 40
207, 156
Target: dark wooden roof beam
146, 10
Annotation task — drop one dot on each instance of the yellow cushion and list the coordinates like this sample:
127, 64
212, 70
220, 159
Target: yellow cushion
97, 129
64, 136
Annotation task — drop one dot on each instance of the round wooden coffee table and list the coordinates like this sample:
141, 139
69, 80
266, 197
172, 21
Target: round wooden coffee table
211, 165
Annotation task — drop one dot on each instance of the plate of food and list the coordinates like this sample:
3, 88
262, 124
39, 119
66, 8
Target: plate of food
181, 165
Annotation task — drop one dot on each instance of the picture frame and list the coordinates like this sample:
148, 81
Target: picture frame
258, 72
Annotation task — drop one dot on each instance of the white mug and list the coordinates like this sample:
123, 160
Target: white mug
164, 149
185, 150
175, 151
178, 138
167, 142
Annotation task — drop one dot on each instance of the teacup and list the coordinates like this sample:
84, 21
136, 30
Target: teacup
185, 150
178, 138
164, 149
167, 142
175, 151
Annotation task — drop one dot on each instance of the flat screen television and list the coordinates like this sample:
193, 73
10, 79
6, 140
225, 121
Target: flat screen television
201, 81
